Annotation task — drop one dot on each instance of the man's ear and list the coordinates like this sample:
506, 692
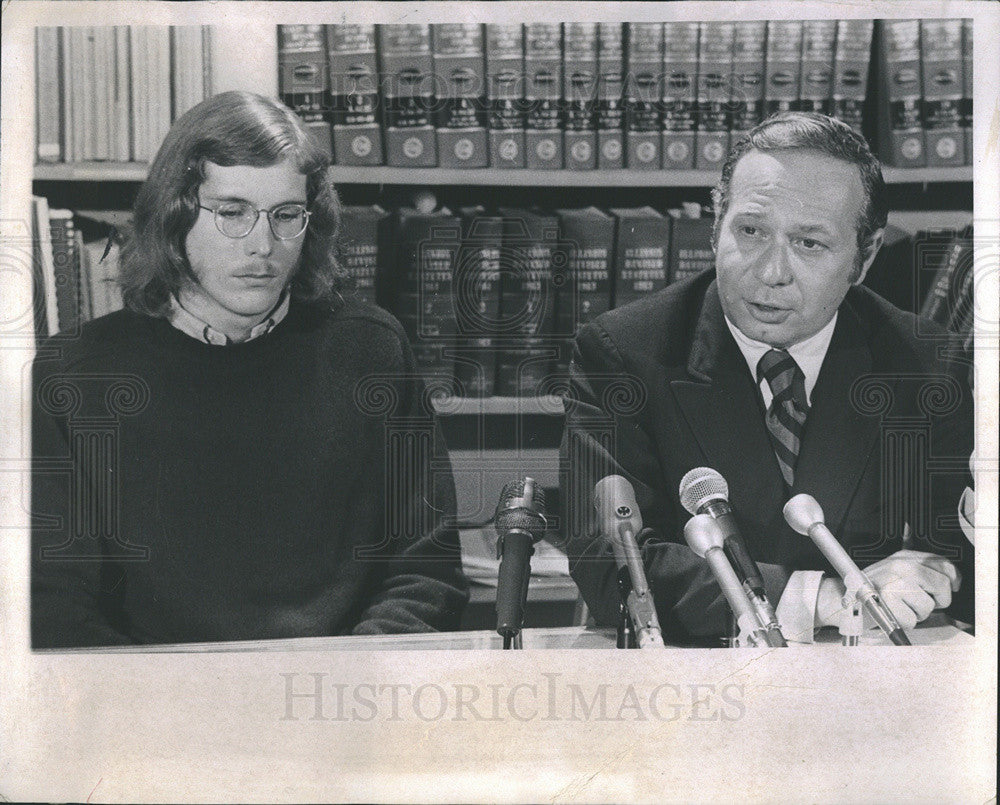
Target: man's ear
877, 239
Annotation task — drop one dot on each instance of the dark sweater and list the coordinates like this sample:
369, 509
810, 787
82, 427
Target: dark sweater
259, 490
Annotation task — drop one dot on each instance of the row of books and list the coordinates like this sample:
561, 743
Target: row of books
112, 92
645, 96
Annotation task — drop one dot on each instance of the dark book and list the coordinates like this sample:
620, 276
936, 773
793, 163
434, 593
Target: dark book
715, 98
580, 95
476, 295
365, 249
966, 104
303, 78
543, 95
525, 348
407, 79
690, 247
427, 245
749, 40
643, 88
900, 124
851, 61
582, 268
680, 85
354, 95
941, 71
641, 253
948, 301
460, 106
66, 267
610, 88
783, 73
819, 40
505, 94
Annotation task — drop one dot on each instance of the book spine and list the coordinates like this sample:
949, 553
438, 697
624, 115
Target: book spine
66, 90
749, 39
690, 247
643, 88
159, 86
82, 76
354, 95
901, 134
543, 95
582, 274
65, 268
302, 78
187, 50
610, 89
460, 107
784, 67
82, 257
641, 254
407, 80
680, 82
967, 86
505, 94
477, 301
361, 238
850, 70
580, 92
715, 96
137, 71
48, 307
103, 48
819, 38
48, 113
941, 68
122, 96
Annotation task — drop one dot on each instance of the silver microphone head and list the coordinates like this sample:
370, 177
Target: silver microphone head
521, 506
699, 486
702, 533
802, 512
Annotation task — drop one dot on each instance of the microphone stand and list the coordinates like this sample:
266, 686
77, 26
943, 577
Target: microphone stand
625, 635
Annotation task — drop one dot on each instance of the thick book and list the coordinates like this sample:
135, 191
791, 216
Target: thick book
79, 54
427, 246
941, 71
476, 295
900, 124
783, 73
66, 271
580, 94
819, 39
102, 41
159, 86
139, 92
354, 96
641, 253
406, 75
365, 246
48, 104
690, 246
121, 112
45, 303
643, 88
460, 106
67, 103
505, 93
851, 61
610, 96
749, 41
948, 299
582, 271
543, 95
680, 86
715, 97
303, 78
188, 52
525, 348
966, 105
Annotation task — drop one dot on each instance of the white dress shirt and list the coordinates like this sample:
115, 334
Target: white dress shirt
185, 321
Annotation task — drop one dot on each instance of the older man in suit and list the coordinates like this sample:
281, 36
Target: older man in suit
782, 373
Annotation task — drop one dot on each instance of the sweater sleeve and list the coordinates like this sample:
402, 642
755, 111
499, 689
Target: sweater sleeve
72, 584
421, 586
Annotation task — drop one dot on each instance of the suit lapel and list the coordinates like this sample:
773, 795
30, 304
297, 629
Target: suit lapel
722, 406
838, 441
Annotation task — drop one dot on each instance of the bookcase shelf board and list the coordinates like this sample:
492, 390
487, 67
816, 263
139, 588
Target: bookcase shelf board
345, 174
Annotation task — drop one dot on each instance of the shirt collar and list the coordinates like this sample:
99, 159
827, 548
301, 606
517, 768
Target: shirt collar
808, 354
188, 323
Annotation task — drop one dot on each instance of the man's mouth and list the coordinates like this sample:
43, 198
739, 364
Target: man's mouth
768, 313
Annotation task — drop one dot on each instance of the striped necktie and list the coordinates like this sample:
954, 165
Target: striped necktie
786, 416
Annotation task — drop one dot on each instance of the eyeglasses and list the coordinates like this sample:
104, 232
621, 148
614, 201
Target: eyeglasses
236, 219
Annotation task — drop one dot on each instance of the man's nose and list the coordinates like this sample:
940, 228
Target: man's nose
261, 238
774, 265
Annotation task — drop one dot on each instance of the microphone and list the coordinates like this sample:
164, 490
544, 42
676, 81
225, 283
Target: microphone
805, 515
620, 519
520, 523
705, 491
705, 537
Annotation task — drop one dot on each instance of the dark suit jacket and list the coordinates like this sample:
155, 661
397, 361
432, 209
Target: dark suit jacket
659, 387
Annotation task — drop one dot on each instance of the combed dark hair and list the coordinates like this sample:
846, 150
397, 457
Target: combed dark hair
787, 131
232, 128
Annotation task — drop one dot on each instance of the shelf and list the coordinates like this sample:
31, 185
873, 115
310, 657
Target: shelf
381, 175
454, 406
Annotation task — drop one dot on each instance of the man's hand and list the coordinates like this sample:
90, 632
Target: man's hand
912, 584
